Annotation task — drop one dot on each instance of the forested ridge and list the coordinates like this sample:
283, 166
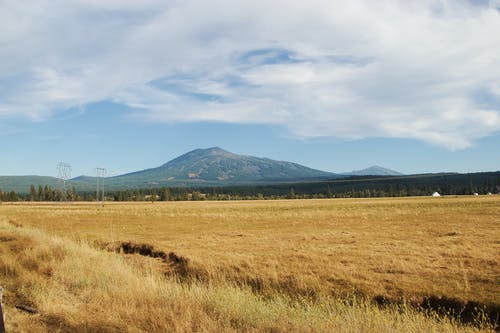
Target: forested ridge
352, 187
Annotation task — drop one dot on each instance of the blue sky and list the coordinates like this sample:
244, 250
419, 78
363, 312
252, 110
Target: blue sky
127, 85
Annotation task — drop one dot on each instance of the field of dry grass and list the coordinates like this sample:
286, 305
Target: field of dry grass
253, 265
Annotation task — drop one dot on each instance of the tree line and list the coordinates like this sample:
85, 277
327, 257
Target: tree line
353, 187
42, 193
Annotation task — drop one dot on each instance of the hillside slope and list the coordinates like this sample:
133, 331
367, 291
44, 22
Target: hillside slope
215, 166
22, 184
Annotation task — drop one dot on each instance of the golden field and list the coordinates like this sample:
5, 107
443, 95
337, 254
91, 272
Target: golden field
252, 265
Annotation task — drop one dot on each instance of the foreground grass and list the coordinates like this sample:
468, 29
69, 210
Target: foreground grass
75, 287
399, 248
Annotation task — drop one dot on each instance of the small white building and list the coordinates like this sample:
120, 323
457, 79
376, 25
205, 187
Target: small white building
475, 193
436, 194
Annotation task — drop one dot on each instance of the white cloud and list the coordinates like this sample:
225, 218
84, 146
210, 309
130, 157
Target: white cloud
357, 69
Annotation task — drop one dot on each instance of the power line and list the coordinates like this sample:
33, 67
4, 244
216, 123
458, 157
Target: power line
63, 174
99, 190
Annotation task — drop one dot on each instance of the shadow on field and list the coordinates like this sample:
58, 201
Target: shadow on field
467, 312
177, 264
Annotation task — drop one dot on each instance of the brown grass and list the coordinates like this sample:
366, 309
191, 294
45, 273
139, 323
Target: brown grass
266, 253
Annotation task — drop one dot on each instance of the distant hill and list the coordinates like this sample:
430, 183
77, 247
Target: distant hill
215, 166
374, 170
22, 183
201, 167
375, 186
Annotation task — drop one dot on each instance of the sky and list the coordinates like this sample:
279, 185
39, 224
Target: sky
411, 85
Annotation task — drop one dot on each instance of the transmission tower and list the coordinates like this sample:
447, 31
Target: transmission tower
99, 189
63, 174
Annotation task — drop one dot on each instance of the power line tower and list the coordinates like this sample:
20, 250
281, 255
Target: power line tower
99, 189
63, 174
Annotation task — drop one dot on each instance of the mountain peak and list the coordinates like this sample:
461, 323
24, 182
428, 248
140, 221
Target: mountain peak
216, 165
374, 170
198, 154
214, 151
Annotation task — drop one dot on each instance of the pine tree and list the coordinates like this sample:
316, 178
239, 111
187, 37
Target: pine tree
165, 194
329, 193
13, 196
32, 193
153, 195
41, 193
48, 193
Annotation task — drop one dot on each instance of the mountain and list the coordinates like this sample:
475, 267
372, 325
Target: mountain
201, 167
216, 166
374, 170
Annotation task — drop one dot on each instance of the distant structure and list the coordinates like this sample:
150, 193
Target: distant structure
99, 190
436, 194
63, 174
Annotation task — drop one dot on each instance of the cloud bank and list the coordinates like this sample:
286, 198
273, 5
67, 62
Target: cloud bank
425, 70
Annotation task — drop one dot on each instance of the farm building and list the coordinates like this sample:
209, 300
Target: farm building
436, 194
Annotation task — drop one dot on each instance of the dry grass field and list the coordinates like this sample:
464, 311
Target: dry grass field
292, 265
